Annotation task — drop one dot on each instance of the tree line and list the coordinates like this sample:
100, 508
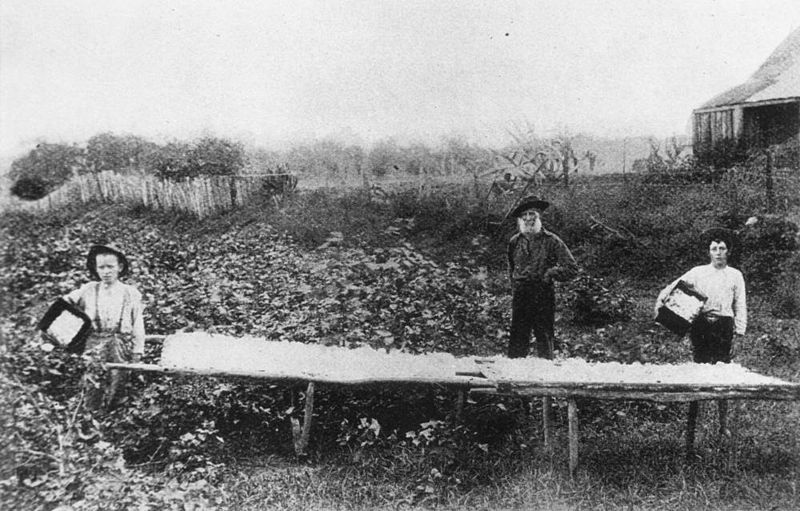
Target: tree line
49, 165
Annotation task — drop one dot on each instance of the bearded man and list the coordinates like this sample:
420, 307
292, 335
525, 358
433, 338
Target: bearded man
536, 259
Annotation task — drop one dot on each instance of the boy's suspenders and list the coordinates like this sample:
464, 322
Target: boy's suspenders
125, 300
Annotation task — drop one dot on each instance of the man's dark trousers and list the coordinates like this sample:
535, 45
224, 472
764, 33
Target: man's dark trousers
533, 306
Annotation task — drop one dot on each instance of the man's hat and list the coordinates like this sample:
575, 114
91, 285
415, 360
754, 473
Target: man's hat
95, 250
719, 234
529, 202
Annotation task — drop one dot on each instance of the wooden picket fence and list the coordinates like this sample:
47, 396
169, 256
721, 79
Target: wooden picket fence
201, 196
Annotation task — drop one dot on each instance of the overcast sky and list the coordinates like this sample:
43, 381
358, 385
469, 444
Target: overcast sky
271, 72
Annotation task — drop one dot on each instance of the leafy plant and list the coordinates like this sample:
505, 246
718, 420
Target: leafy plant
208, 156
594, 303
30, 188
786, 297
108, 151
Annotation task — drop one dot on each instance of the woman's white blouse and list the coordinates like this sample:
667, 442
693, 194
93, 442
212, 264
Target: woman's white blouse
725, 290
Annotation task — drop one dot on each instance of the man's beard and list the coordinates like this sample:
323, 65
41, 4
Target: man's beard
524, 228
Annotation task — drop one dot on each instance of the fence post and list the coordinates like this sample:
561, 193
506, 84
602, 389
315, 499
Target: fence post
233, 191
769, 185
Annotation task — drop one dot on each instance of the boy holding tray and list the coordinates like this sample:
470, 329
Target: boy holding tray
115, 309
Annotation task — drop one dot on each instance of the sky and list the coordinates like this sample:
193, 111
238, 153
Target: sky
273, 73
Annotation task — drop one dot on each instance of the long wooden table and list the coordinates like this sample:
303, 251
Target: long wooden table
230, 357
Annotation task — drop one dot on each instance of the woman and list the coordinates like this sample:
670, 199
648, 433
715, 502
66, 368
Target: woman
723, 314
117, 318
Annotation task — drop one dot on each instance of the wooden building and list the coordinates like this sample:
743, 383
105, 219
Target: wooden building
761, 112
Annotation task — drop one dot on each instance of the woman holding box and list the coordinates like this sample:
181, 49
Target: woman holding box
724, 313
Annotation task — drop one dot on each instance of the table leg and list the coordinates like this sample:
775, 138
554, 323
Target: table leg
300, 434
691, 426
727, 432
461, 397
547, 421
572, 416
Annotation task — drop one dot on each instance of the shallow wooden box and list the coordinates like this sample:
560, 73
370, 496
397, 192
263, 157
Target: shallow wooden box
681, 308
66, 325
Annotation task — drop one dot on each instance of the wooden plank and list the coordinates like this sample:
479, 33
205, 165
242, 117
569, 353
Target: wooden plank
787, 390
455, 381
771, 393
629, 391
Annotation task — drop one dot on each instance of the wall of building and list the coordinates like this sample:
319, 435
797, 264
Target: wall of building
746, 126
714, 127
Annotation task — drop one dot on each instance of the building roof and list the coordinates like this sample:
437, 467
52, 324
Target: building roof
777, 78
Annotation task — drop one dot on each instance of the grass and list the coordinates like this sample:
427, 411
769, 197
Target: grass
641, 472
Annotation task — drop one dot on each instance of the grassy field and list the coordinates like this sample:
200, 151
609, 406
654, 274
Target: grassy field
301, 270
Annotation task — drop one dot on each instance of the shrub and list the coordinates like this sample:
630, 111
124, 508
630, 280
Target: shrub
724, 153
594, 303
384, 158
208, 156
769, 251
29, 188
786, 298
212, 156
771, 232
108, 151
325, 158
45, 168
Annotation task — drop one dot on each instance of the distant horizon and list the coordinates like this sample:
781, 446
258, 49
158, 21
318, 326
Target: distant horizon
272, 74
346, 139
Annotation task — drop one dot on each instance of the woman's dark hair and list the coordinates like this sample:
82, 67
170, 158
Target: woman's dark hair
719, 235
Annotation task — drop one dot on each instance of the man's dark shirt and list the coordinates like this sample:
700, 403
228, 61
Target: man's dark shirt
540, 257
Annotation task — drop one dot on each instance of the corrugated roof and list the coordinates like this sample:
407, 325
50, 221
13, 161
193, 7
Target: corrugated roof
777, 78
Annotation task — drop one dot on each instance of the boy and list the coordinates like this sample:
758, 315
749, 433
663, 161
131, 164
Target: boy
117, 322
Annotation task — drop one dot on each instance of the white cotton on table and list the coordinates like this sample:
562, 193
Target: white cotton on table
222, 353
259, 357
576, 370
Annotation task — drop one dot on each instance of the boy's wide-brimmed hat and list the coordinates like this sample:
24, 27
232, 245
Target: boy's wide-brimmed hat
719, 234
95, 250
529, 202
